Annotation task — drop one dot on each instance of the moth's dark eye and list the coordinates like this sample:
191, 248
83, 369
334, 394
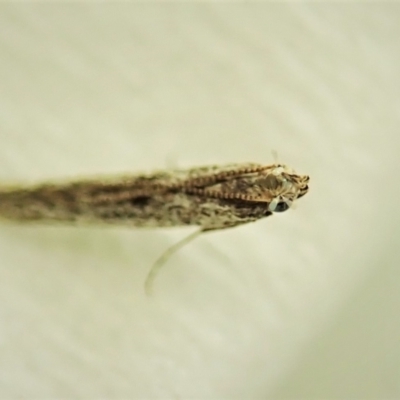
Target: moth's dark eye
280, 207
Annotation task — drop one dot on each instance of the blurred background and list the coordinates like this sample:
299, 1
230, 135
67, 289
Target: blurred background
299, 305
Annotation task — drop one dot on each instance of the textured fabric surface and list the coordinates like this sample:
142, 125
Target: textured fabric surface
299, 305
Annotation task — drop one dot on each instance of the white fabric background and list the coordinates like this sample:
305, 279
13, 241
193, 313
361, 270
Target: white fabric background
299, 305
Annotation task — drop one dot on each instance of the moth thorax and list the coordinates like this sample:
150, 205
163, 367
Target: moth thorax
271, 182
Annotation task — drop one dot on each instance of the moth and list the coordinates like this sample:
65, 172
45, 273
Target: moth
211, 198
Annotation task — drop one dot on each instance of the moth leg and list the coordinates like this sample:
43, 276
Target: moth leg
160, 262
221, 227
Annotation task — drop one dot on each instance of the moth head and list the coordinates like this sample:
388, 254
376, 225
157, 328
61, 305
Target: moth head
284, 187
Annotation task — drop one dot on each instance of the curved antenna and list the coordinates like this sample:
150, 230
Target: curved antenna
275, 156
160, 262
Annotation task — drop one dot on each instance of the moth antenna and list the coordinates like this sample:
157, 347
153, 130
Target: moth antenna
275, 156
160, 262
